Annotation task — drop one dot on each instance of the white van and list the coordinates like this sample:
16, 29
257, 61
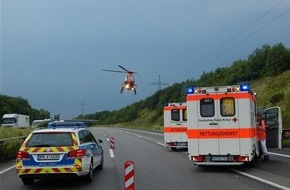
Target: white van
15, 120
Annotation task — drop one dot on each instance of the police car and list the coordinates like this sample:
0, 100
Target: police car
59, 152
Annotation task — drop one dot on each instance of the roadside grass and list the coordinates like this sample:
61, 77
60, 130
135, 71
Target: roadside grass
13, 132
286, 143
268, 90
9, 148
157, 128
147, 120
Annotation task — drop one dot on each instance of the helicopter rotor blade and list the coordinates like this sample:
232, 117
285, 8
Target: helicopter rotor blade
124, 68
114, 71
131, 72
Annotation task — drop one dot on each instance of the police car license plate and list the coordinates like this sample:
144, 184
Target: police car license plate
219, 158
48, 157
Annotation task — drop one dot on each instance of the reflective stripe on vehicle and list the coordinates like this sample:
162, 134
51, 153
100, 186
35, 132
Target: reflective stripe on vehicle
221, 133
77, 167
75, 141
179, 129
245, 95
48, 149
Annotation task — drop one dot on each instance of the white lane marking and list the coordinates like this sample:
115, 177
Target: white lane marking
148, 132
162, 144
108, 139
112, 155
139, 136
263, 180
283, 155
6, 170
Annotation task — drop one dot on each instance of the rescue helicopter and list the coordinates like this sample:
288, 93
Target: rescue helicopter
129, 81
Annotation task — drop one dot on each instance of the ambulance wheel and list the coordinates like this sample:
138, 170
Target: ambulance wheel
250, 164
27, 181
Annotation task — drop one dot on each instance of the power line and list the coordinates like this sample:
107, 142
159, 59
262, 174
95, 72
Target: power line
159, 83
235, 36
251, 24
253, 32
250, 35
83, 107
282, 36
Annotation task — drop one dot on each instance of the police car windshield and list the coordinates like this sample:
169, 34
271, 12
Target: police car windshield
50, 139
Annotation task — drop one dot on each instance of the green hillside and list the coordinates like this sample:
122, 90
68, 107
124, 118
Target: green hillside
267, 70
19, 105
275, 91
271, 91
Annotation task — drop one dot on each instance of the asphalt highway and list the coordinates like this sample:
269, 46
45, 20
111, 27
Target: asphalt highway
157, 167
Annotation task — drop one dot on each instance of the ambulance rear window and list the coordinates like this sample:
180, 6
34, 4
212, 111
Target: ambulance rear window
207, 107
175, 115
227, 106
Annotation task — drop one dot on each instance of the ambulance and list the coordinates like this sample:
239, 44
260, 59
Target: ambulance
222, 125
175, 125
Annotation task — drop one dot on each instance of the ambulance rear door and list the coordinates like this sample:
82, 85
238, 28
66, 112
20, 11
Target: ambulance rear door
217, 126
229, 126
178, 124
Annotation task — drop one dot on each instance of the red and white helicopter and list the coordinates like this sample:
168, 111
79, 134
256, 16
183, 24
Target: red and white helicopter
129, 82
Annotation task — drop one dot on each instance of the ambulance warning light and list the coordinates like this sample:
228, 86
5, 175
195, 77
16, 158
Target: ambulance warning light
245, 87
190, 90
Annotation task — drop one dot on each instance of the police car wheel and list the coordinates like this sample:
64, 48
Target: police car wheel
27, 181
89, 176
101, 166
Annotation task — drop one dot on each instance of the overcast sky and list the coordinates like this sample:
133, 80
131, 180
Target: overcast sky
53, 51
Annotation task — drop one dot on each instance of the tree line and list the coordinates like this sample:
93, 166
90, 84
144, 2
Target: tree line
266, 61
20, 105
263, 62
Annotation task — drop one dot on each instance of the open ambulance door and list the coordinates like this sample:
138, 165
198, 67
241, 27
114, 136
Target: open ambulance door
273, 119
